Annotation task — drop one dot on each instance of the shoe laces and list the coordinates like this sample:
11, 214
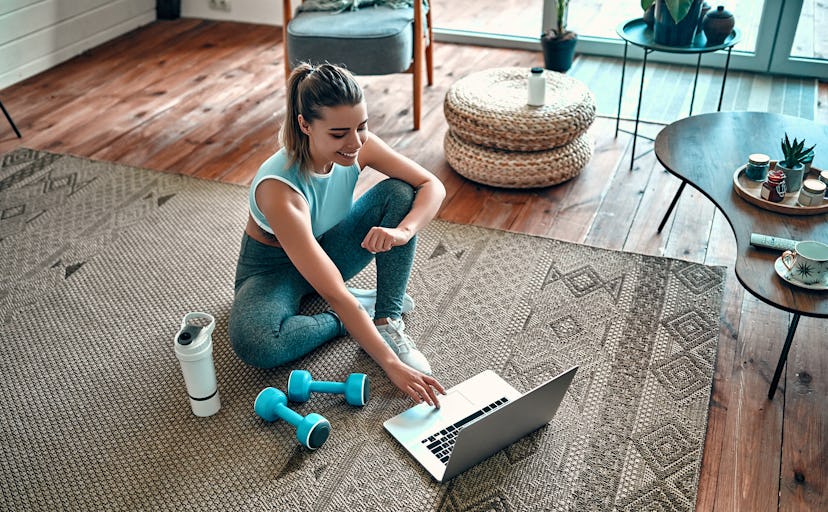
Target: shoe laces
394, 329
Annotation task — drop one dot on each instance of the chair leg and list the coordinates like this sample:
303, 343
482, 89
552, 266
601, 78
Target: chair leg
287, 15
430, 64
430, 49
418, 92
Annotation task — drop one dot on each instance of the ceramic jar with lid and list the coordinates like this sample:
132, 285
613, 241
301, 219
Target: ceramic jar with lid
717, 25
811, 193
757, 167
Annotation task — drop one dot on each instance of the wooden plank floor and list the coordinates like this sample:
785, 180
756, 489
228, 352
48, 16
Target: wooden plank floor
206, 99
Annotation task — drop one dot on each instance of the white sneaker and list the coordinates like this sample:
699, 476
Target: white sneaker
403, 346
368, 299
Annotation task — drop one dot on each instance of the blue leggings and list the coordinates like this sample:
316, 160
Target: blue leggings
265, 327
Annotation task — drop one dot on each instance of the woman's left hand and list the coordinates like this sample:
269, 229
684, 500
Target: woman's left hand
381, 239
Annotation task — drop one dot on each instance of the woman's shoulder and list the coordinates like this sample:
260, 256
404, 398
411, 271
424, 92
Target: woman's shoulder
277, 164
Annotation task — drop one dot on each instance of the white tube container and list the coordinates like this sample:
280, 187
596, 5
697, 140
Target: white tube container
537, 87
194, 349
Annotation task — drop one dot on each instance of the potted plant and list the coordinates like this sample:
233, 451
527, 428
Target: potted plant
675, 20
558, 43
793, 162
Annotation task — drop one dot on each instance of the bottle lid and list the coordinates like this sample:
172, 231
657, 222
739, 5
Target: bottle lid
720, 12
814, 186
776, 176
194, 340
537, 70
759, 159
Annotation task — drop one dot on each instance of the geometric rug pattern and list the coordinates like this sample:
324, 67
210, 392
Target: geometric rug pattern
101, 262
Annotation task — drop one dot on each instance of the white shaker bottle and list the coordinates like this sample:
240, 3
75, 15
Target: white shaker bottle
537, 88
194, 349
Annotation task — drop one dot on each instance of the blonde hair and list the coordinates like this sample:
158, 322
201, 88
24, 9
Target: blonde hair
309, 90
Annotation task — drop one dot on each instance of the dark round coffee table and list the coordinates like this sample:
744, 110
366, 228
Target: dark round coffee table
704, 151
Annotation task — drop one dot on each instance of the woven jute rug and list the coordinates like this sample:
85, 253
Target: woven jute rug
102, 261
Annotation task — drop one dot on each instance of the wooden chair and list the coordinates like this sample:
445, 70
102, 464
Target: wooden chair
368, 41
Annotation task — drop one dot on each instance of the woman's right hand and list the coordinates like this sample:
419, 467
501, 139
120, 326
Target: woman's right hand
418, 386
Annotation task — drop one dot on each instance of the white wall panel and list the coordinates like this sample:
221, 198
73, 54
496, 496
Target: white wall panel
37, 35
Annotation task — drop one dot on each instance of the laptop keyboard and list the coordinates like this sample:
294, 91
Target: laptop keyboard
442, 442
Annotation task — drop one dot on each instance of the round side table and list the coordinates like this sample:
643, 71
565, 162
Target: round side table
638, 33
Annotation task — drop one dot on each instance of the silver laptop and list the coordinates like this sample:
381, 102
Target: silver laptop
476, 419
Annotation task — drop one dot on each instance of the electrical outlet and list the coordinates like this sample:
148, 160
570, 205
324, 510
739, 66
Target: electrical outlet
219, 5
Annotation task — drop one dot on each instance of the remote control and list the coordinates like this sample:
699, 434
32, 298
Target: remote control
772, 242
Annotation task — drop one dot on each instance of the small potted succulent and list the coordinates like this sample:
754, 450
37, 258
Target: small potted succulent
558, 43
794, 155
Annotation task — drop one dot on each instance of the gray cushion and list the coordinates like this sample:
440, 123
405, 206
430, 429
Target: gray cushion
370, 41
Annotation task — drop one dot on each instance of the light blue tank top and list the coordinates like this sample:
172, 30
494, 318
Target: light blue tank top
329, 196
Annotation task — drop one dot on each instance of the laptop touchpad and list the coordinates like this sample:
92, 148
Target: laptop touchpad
423, 419
453, 401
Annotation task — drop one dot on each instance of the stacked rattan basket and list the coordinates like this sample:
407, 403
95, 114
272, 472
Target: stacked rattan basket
495, 138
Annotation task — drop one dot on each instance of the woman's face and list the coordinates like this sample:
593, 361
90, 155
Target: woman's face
337, 136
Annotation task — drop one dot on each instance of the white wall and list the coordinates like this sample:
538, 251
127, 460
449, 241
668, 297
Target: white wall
36, 35
267, 12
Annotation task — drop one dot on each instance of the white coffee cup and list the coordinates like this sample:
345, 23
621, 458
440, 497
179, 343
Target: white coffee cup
194, 349
808, 262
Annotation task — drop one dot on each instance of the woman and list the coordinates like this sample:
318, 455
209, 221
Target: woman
304, 234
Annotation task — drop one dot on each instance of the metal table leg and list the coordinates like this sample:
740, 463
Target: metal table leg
16, 131
695, 82
621, 88
672, 205
638, 110
783, 357
724, 79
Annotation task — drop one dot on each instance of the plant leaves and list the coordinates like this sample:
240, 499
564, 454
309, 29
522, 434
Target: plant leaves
678, 8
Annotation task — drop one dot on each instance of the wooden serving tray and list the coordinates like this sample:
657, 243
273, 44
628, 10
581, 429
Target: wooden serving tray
750, 191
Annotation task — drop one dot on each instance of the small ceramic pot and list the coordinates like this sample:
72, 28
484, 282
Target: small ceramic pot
717, 25
793, 176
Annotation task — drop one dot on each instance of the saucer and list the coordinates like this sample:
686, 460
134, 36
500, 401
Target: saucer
783, 273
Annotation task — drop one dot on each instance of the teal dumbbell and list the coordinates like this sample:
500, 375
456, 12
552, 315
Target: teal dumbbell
356, 388
312, 430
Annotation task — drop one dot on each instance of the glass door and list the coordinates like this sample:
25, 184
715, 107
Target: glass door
519, 24
503, 23
596, 22
802, 41
780, 36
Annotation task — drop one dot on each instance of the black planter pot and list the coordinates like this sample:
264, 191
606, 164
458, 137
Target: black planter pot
558, 53
668, 32
168, 9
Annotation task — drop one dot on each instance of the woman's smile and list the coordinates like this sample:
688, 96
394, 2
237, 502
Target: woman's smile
348, 154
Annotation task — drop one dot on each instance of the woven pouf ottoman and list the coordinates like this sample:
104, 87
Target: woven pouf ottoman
495, 138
